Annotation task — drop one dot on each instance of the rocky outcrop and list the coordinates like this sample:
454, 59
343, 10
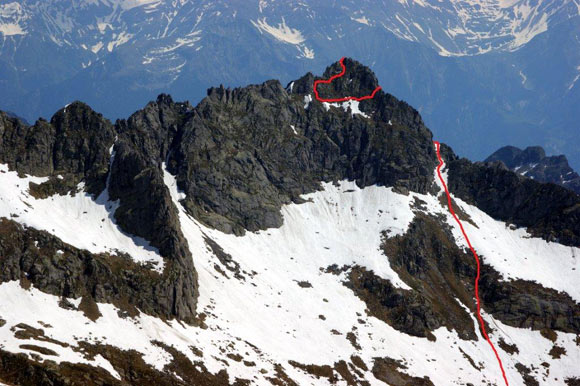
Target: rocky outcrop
235, 155
441, 276
145, 205
38, 258
547, 210
533, 163
19, 369
75, 144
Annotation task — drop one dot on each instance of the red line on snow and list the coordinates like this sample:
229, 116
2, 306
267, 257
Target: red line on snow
437, 145
481, 324
349, 98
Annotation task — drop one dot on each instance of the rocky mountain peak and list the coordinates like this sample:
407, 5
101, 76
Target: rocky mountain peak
358, 80
533, 163
512, 156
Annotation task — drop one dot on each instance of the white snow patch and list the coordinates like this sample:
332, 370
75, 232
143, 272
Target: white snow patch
11, 29
306, 52
188, 40
573, 83
353, 105
517, 255
362, 20
129, 4
307, 100
282, 32
97, 47
524, 77
120, 39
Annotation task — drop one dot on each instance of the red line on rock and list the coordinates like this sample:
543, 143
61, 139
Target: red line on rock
481, 324
332, 100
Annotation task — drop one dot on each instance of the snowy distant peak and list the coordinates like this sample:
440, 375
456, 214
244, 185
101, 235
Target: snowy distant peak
451, 27
470, 27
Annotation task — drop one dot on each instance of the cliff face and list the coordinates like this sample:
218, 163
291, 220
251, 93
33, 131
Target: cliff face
206, 189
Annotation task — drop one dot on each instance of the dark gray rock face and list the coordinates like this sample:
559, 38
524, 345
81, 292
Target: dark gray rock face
533, 163
77, 145
526, 304
239, 159
11, 114
31, 256
74, 144
145, 206
549, 211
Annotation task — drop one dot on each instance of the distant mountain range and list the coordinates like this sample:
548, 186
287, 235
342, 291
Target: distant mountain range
482, 73
533, 163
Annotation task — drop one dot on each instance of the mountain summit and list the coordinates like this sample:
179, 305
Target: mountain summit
263, 237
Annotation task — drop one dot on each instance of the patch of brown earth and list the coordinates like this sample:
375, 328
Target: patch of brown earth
351, 337
529, 380
40, 349
333, 374
24, 331
89, 308
358, 362
509, 348
556, 352
457, 209
281, 378
389, 371
572, 381
470, 359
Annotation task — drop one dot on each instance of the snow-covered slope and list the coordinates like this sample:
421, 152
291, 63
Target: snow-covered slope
275, 303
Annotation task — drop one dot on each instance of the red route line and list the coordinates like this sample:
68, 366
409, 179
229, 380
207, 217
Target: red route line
332, 100
482, 325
